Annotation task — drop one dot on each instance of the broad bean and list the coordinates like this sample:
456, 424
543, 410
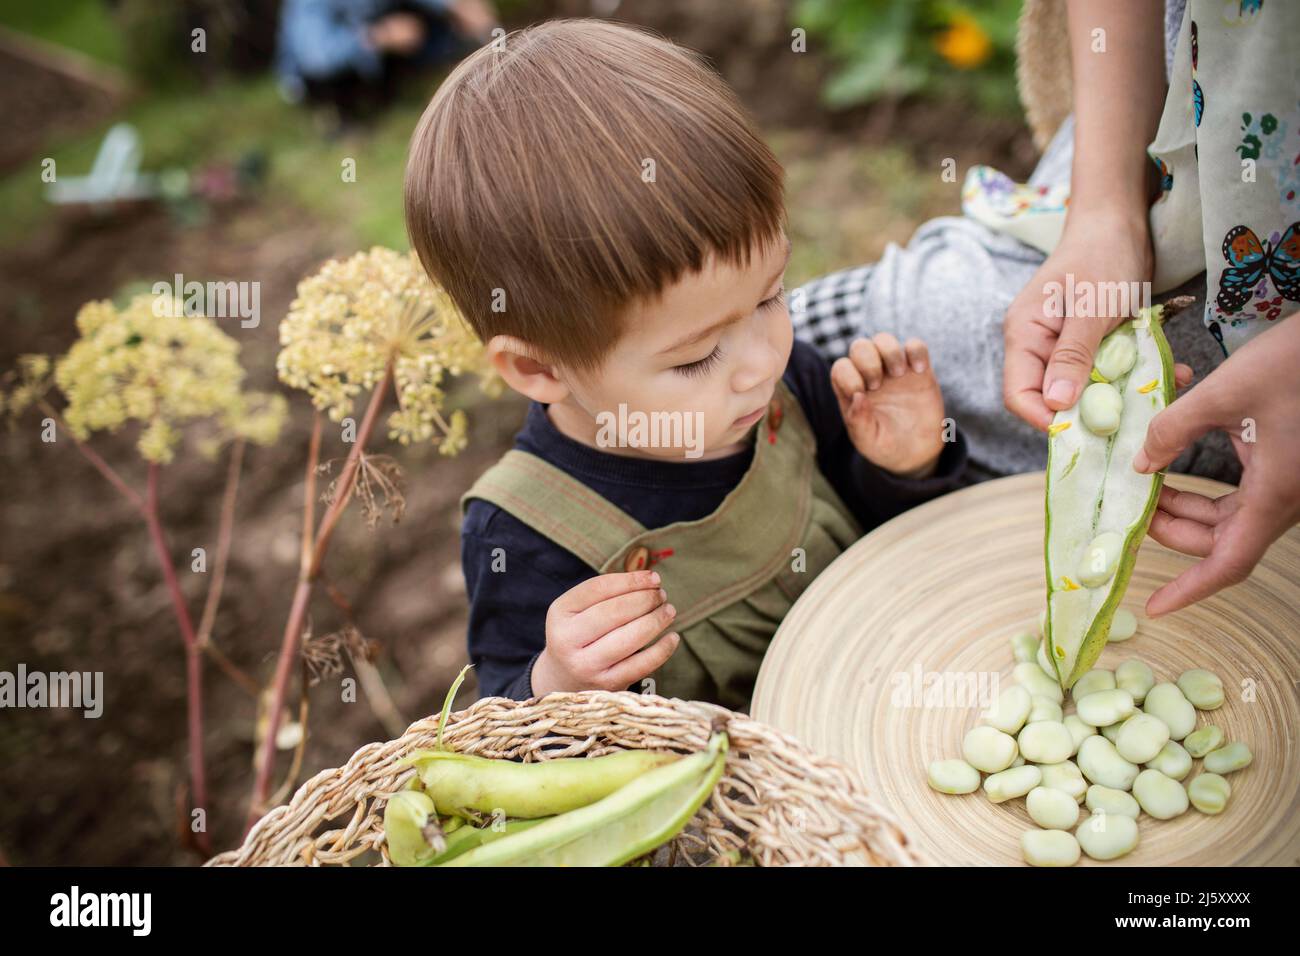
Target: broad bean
1203, 688
1167, 702
1105, 707
1010, 710
1049, 848
1173, 761
1107, 836
1201, 742
1015, 782
1101, 763
1122, 626
989, 749
1092, 682
1141, 737
1209, 793
1135, 677
1052, 809
1031, 677
953, 776
1064, 776
1159, 796
1234, 756
1109, 800
1046, 741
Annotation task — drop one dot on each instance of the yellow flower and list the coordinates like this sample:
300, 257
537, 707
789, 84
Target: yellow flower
964, 44
156, 365
354, 317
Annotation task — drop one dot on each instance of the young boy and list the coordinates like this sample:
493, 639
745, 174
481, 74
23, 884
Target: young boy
599, 206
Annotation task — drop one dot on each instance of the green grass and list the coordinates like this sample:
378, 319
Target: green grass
191, 130
82, 25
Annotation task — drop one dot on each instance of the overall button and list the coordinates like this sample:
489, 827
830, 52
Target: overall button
774, 414
637, 559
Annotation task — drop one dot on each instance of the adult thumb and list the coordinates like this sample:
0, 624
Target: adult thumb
1071, 362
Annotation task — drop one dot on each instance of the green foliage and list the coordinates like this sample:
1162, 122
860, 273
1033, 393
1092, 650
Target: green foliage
894, 48
82, 25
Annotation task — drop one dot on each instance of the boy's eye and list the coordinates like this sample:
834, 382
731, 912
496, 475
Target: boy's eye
703, 365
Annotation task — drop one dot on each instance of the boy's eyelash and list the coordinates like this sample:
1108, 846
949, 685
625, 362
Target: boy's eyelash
705, 364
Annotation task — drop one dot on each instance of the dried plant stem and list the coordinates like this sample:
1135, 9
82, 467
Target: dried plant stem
148, 509
224, 535
307, 575
193, 655
372, 682
92, 456
295, 767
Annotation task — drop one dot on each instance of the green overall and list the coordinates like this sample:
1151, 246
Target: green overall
731, 575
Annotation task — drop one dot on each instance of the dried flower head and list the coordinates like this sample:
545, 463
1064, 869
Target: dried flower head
355, 317
154, 365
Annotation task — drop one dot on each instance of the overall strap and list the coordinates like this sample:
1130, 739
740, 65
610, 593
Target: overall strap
556, 505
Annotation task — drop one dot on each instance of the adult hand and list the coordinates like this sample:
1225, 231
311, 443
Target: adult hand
400, 33
1255, 397
1049, 357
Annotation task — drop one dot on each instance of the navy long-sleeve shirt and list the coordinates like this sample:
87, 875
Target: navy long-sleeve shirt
507, 612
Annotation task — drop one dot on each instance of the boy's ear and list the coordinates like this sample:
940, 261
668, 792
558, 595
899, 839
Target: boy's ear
513, 359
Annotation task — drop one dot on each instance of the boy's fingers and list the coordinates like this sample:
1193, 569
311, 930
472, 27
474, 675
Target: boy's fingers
622, 642
601, 587
866, 359
918, 355
891, 353
613, 614
846, 383
643, 663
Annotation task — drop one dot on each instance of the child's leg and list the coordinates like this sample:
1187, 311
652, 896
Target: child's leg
950, 286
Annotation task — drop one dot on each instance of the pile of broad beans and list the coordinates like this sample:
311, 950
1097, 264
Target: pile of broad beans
1088, 772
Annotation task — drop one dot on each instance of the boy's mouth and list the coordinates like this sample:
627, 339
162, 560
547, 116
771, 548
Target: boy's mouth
750, 418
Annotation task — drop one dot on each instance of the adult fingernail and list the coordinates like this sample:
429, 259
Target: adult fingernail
662, 594
654, 577
1141, 463
1061, 392
670, 610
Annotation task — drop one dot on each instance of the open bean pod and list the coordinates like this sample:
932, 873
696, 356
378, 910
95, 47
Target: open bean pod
1098, 507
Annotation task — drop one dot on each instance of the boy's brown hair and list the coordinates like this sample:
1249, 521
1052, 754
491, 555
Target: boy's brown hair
575, 167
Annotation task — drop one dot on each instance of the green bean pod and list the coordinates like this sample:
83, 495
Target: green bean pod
1093, 493
466, 838
411, 841
632, 821
460, 784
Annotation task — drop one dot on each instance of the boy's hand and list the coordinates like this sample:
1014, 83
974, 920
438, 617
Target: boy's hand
602, 634
891, 404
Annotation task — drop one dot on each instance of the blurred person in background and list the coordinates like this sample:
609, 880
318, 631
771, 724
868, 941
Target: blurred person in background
351, 54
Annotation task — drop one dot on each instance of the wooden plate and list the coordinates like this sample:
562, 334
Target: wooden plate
932, 599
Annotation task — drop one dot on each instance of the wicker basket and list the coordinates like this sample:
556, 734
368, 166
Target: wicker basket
777, 803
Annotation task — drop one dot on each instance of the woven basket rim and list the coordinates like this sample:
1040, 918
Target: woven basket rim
778, 800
